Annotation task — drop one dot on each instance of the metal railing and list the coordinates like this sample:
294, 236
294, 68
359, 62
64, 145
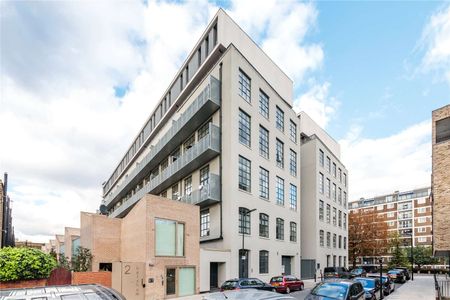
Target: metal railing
442, 286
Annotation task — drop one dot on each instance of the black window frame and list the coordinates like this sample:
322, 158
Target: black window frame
245, 174
264, 225
279, 231
245, 128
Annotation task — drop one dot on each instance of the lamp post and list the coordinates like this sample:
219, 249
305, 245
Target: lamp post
410, 233
380, 260
243, 256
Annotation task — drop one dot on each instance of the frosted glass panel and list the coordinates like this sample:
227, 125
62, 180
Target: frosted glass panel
180, 240
186, 281
165, 237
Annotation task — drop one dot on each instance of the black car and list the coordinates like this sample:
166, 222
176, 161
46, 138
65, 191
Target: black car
337, 289
246, 283
388, 283
359, 272
337, 272
371, 287
397, 275
405, 272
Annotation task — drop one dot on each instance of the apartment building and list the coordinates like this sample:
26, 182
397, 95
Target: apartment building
407, 213
224, 137
324, 193
441, 181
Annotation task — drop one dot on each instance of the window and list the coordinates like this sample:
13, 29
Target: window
422, 239
443, 130
345, 243
328, 165
340, 218
263, 104
189, 143
293, 232
345, 199
263, 225
279, 119
293, 163
421, 210
334, 170
321, 238
321, 158
244, 128
293, 197
188, 186
421, 229
345, 179
340, 196
279, 148
244, 174
263, 262
422, 220
280, 229
340, 241
204, 176
204, 222
333, 191
328, 213
340, 175
421, 201
244, 86
175, 192
390, 214
328, 239
203, 130
169, 238
244, 220
164, 164
263, 142
334, 216
280, 191
321, 183
334, 240
263, 183
293, 131
327, 188
321, 210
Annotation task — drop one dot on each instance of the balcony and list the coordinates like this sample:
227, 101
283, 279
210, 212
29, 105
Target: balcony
198, 155
207, 194
196, 114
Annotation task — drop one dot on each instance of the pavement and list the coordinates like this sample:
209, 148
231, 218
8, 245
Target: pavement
422, 288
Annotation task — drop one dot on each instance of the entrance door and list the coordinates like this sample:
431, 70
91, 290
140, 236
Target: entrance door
243, 263
171, 282
286, 263
213, 275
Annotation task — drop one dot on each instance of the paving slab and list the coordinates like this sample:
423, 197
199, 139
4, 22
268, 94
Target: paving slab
422, 288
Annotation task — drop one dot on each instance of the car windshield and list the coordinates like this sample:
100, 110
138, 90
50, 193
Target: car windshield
229, 284
357, 271
277, 279
366, 283
394, 272
330, 290
329, 270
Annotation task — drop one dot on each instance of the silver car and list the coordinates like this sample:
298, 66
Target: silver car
247, 294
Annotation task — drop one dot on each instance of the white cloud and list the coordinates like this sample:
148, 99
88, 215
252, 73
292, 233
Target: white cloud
436, 41
398, 162
317, 103
66, 130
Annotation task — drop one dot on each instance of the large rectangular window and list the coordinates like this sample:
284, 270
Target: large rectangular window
340, 218
204, 222
279, 148
328, 239
334, 240
280, 190
328, 165
204, 176
334, 170
263, 262
263, 183
340, 196
279, 119
321, 209
327, 188
293, 162
263, 104
244, 86
188, 187
169, 238
293, 232
263, 142
244, 220
203, 130
321, 159
293, 197
443, 130
280, 229
175, 192
244, 128
244, 174
333, 191
263, 225
328, 213
293, 131
321, 238
334, 216
321, 189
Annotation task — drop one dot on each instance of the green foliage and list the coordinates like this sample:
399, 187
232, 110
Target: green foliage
423, 256
63, 262
25, 263
82, 260
398, 254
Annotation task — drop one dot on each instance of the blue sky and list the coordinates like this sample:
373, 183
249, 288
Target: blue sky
79, 78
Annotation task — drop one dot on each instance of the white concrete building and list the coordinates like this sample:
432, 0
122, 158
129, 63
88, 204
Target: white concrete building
324, 214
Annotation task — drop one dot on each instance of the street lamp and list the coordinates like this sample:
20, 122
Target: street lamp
410, 233
244, 214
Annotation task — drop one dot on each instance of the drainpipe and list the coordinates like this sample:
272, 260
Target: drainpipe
221, 153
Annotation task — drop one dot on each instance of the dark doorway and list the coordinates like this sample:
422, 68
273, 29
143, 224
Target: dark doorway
286, 263
243, 263
105, 267
213, 275
170, 282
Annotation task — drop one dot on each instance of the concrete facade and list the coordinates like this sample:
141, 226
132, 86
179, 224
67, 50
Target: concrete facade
324, 200
441, 180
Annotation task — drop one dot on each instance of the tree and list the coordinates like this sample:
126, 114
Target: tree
367, 234
25, 263
82, 260
423, 256
63, 262
398, 253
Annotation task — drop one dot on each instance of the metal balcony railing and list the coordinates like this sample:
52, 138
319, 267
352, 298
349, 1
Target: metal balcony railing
207, 194
196, 114
195, 157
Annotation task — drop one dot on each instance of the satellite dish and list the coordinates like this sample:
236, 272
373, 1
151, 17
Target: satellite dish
103, 209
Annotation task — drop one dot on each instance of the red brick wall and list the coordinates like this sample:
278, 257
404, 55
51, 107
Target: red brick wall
18, 284
103, 278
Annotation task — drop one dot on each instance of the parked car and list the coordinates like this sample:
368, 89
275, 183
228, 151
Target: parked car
359, 272
336, 272
337, 289
247, 294
246, 283
405, 271
83, 291
371, 287
397, 275
287, 283
388, 283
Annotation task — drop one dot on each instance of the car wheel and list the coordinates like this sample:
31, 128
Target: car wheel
274, 290
288, 290
302, 287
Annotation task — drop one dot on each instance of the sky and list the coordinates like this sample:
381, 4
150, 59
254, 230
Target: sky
79, 78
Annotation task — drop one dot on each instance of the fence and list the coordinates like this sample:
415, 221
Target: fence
442, 286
